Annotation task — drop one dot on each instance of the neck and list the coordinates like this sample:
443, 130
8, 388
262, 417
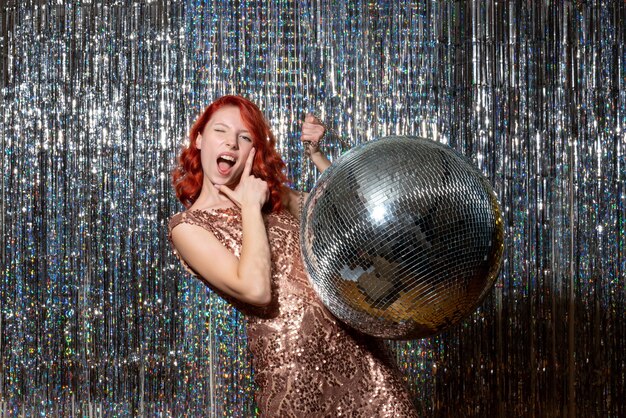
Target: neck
210, 197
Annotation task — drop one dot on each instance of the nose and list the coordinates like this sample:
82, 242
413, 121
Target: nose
232, 142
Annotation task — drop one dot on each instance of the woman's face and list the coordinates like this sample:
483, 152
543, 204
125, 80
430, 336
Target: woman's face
224, 146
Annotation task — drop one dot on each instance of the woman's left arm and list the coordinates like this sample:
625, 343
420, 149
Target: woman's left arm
312, 133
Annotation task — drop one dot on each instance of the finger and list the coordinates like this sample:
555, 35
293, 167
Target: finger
247, 169
313, 135
229, 193
315, 120
309, 118
308, 126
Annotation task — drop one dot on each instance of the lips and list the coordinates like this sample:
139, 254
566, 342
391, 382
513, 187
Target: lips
225, 163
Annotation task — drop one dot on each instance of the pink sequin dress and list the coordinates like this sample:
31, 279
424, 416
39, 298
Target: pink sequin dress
306, 363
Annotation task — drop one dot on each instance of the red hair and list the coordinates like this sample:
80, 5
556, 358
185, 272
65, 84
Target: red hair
187, 177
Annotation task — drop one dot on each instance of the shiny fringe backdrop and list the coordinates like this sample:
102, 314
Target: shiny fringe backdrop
98, 319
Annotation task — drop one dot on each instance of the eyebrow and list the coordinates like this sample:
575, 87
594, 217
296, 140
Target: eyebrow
228, 126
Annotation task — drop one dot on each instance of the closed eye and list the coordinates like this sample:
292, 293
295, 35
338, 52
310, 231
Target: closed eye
246, 138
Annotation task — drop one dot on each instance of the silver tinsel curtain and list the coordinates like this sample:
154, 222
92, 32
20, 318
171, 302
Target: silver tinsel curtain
98, 319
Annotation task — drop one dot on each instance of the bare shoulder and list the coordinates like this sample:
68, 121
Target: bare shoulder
200, 249
187, 227
293, 200
182, 230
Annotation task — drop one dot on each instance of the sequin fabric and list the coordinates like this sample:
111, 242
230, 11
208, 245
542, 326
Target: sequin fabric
306, 363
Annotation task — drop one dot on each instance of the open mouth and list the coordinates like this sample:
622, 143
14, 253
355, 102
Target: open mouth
225, 162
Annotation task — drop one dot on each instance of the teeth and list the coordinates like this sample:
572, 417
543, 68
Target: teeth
227, 157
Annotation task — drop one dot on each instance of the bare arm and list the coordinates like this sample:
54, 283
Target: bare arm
312, 133
247, 278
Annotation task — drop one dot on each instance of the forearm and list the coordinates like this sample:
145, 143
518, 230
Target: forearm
255, 260
320, 161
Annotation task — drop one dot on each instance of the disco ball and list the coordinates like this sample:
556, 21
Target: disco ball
402, 237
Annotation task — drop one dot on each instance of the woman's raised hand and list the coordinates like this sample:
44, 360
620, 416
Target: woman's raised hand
312, 133
251, 190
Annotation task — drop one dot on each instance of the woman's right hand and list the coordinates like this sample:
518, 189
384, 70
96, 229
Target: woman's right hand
251, 191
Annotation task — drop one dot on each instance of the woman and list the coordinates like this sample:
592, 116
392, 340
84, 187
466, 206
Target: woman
240, 235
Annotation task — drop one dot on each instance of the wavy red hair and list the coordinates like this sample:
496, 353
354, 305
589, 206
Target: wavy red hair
187, 177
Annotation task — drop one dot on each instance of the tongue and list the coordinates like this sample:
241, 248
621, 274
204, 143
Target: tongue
223, 166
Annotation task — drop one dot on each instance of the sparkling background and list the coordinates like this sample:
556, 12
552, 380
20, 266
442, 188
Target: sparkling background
98, 319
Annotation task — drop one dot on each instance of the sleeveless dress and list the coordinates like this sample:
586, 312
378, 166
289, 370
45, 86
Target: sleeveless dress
306, 363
